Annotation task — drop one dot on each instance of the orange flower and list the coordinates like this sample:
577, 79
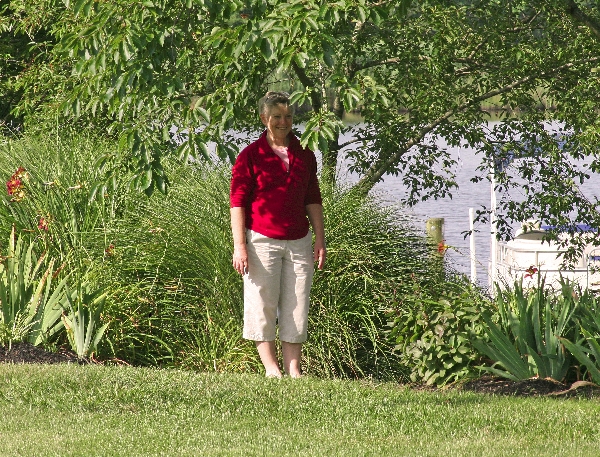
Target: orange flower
442, 247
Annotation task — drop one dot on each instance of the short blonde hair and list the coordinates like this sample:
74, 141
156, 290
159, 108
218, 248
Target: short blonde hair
273, 98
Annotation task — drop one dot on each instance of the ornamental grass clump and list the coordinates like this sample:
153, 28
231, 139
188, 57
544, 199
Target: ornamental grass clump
373, 249
178, 301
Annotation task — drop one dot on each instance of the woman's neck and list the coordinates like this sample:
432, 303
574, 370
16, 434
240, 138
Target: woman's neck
278, 142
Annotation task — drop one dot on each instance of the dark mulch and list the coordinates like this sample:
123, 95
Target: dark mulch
535, 387
28, 353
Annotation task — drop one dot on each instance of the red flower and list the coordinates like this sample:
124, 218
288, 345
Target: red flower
530, 271
13, 185
110, 250
442, 247
43, 224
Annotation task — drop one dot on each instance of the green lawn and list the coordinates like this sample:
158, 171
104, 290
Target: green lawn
115, 411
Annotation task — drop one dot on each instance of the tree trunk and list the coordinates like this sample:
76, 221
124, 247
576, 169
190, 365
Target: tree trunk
330, 157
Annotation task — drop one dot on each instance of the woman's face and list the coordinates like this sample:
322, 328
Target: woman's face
278, 121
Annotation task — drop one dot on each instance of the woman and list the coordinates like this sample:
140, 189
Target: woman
274, 197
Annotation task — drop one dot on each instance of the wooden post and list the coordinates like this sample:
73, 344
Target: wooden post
435, 229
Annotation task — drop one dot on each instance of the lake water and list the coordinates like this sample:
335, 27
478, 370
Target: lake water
455, 211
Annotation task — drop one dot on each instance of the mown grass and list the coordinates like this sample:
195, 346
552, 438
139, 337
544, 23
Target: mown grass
72, 410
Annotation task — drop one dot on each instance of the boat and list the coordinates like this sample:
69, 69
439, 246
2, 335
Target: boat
530, 257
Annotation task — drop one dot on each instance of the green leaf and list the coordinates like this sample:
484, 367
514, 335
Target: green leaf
150, 189
579, 352
160, 183
298, 97
265, 48
328, 54
323, 145
203, 113
300, 58
328, 131
312, 23
203, 150
146, 178
79, 5
362, 14
93, 191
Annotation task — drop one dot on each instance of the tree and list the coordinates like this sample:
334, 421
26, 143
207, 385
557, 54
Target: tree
414, 70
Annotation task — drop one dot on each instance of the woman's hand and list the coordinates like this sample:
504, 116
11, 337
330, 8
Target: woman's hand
319, 254
315, 215
240, 259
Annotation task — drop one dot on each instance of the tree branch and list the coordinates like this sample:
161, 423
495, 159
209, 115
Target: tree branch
378, 169
575, 12
316, 101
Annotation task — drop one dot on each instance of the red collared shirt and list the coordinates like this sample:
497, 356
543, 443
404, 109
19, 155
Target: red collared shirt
275, 199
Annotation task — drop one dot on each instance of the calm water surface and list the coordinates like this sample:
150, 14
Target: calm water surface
455, 211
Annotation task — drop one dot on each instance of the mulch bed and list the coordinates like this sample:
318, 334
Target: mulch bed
535, 387
28, 353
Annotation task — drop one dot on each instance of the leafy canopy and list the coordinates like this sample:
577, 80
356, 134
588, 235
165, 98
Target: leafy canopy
176, 77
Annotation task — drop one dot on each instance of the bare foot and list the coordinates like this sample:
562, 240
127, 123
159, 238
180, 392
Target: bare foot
273, 374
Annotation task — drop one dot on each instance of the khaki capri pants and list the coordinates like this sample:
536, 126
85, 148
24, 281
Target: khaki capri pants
277, 288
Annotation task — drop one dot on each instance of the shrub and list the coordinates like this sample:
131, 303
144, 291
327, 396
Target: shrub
177, 300
164, 263
49, 181
432, 328
373, 249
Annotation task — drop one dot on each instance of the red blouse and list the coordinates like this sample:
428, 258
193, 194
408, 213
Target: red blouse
275, 199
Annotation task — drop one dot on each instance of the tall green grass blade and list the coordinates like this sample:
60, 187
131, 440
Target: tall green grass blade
579, 352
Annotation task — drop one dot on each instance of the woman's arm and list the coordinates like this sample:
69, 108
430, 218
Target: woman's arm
315, 216
238, 229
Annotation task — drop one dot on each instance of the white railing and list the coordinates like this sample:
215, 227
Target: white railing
514, 262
